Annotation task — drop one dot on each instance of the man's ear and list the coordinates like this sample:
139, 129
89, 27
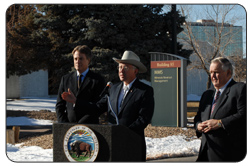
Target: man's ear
136, 71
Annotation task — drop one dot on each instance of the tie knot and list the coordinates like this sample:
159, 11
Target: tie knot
217, 95
125, 88
80, 78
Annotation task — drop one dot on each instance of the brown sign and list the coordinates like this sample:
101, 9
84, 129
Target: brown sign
165, 64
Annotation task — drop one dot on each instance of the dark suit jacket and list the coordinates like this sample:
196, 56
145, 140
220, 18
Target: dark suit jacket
90, 89
136, 110
228, 143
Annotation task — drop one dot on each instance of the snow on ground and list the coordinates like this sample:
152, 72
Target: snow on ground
29, 153
36, 104
32, 104
25, 121
171, 146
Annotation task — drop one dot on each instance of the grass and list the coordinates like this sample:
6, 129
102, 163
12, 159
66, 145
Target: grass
80, 158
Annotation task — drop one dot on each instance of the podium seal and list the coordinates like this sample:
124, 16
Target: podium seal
80, 144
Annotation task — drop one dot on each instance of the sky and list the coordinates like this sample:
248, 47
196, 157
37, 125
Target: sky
238, 12
237, 16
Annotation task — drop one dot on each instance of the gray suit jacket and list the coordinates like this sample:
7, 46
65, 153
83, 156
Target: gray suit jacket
228, 143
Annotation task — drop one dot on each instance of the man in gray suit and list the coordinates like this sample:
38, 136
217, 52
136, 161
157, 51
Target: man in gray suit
84, 84
221, 118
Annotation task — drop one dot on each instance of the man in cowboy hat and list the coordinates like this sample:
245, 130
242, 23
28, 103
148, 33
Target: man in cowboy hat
131, 100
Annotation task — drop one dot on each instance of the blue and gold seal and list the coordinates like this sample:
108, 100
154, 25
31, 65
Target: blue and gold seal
80, 144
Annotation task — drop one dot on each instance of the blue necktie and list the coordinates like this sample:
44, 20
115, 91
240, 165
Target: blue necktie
125, 90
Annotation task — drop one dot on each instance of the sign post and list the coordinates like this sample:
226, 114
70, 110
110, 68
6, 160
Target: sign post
168, 77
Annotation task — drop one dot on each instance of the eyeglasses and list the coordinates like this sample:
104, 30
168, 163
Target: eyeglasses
125, 68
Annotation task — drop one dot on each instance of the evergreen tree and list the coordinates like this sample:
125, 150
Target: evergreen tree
108, 30
26, 45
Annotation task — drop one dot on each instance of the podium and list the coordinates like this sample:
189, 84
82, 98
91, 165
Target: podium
109, 143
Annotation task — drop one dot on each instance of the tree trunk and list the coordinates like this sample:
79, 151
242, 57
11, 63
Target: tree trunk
208, 82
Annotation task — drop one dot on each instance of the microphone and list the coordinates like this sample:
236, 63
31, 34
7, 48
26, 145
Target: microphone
116, 118
109, 84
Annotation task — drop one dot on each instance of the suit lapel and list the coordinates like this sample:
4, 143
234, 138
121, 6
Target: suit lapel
220, 102
222, 99
127, 98
85, 82
209, 107
73, 86
116, 96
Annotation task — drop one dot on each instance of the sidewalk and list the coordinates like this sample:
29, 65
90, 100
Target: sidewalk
177, 159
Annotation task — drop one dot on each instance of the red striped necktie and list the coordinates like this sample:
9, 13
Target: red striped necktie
215, 100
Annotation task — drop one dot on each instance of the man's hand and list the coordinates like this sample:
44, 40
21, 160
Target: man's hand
201, 127
69, 97
211, 124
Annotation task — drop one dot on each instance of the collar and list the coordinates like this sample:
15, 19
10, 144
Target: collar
130, 84
83, 73
224, 87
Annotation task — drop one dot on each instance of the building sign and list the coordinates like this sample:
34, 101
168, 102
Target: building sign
168, 78
165, 64
160, 77
80, 144
165, 83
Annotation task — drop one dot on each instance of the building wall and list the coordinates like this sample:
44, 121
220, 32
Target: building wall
29, 85
12, 87
204, 32
196, 82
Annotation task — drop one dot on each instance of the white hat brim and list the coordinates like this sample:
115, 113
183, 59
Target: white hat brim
142, 68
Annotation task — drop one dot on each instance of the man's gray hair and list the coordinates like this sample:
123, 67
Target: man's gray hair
226, 64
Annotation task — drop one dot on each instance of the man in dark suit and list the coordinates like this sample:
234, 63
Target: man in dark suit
221, 118
84, 84
131, 101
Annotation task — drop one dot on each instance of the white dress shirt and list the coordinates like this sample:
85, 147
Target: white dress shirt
124, 92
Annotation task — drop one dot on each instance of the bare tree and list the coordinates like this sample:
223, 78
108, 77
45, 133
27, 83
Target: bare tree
240, 67
214, 37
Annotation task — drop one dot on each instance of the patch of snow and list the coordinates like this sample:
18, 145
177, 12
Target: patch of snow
29, 153
25, 121
171, 146
32, 104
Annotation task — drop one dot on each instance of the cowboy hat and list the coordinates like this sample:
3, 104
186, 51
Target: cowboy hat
131, 58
